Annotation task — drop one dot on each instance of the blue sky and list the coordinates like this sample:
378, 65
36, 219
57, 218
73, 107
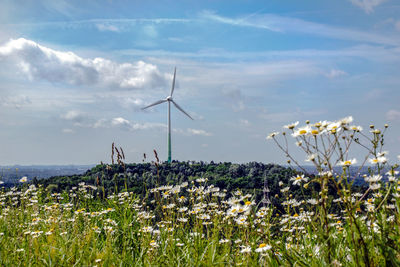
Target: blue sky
75, 74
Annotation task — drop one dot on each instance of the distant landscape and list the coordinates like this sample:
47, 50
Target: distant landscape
11, 174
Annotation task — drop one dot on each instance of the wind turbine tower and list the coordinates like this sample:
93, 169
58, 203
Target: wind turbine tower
170, 100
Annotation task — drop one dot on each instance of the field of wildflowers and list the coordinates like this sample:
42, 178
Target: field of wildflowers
195, 224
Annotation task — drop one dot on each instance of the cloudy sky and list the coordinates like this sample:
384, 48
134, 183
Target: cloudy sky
75, 75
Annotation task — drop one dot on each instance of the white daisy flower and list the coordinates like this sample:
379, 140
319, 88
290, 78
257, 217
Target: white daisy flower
263, 247
302, 131
299, 179
348, 162
272, 135
291, 126
246, 249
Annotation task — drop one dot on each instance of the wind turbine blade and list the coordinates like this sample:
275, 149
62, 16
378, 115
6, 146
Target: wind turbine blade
173, 83
178, 107
156, 103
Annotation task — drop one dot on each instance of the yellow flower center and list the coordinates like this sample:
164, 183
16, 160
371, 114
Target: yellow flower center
302, 132
247, 203
314, 132
262, 245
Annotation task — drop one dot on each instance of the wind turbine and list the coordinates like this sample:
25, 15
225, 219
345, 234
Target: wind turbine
169, 100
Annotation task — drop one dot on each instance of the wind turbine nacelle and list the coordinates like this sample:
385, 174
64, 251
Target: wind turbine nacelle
169, 98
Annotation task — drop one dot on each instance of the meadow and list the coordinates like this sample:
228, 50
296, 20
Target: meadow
196, 224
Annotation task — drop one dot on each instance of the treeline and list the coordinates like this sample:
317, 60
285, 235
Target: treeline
260, 180
251, 177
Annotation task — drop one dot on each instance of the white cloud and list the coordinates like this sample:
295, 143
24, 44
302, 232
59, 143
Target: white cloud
101, 123
78, 119
190, 132
367, 5
121, 122
120, 24
131, 126
393, 115
131, 102
82, 120
287, 57
17, 101
198, 132
107, 27
42, 63
74, 115
276, 23
271, 25
335, 73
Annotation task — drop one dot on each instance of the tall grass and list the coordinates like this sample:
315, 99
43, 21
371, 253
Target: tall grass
193, 224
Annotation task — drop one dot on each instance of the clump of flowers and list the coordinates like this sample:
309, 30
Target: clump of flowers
328, 146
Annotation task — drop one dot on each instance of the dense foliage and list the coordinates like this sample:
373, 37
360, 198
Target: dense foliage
250, 177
